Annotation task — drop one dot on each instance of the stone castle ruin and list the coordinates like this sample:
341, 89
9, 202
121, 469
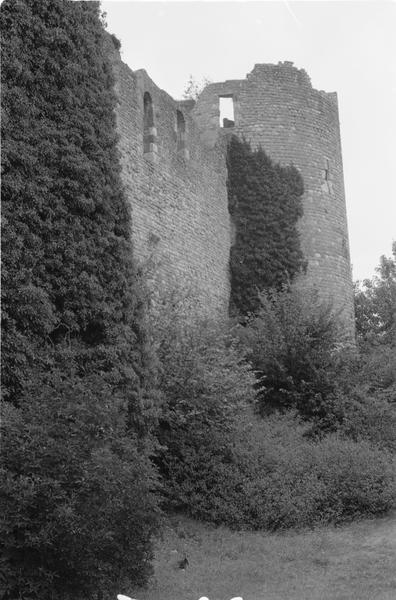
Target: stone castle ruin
174, 170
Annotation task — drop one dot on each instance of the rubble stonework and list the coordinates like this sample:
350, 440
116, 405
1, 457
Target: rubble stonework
178, 195
176, 180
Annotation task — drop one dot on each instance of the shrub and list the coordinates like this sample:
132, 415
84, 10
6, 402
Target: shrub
371, 417
205, 381
359, 478
78, 513
77, 501
68, 271
221, 463
296, 481
295, 349
377, 372
202, 480
270, 474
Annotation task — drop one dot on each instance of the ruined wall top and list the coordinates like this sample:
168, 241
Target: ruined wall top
174, 169
275, 107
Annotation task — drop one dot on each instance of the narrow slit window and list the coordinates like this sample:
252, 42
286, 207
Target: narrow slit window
226, 106
327, 170
149, 130
181, 131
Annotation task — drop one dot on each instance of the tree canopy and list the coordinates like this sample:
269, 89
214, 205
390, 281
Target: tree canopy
375, 303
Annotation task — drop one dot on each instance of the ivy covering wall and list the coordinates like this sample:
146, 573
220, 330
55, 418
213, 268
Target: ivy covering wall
265, 205
77, 502
67, 257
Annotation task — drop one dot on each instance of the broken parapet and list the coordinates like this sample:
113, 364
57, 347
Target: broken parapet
277, 108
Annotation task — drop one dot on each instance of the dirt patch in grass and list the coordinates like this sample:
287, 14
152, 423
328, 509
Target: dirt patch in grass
353, 562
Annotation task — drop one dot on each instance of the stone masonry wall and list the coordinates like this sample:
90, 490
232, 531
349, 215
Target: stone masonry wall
176, 180
277, 108
180, 220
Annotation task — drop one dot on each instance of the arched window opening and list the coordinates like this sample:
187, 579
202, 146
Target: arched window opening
226, 106
181, 132
149, 130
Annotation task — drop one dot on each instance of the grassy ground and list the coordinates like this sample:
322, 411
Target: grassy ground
353, 562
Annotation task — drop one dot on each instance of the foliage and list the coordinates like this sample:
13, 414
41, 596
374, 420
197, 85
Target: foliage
67, 271
375, 304
295, 350
265, 204
375, 308
194, 87
222, 464
77, 509
377, 375
77, 502
297, 481
275, 476
370, 416
205, 381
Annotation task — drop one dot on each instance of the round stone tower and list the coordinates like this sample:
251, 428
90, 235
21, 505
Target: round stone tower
276, 108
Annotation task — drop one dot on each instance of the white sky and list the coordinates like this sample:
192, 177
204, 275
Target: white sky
347, 47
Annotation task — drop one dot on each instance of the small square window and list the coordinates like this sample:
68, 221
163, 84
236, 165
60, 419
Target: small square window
226, 106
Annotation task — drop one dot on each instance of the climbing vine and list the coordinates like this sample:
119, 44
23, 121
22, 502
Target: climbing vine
265, 205
76, 476
68, 274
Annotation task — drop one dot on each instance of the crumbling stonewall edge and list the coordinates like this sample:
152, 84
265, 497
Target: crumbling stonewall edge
174, 170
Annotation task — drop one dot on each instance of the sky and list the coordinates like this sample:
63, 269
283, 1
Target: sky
347, 47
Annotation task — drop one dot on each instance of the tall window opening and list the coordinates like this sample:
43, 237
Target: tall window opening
226, 106
181, 131
149, 130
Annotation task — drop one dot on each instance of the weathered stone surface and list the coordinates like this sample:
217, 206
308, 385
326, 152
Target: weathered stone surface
276, 107
178, 196
177, 189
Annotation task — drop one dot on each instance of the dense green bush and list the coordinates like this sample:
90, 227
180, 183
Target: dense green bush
369, 416
68, 274
223, 464
77, 495
379, 371
297, 481
294, 346
274, 475
265, 205
77, 513
205, 382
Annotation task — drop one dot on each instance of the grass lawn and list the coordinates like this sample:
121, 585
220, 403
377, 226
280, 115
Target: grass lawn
352, 562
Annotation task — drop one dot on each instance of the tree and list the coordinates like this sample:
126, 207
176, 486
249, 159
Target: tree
294, 349
375, 309
375, 303
75, 362
194, 87
77, 498
206, 385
